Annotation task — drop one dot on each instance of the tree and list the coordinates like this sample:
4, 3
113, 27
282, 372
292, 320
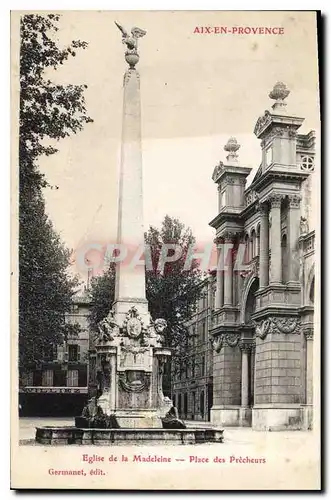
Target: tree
47, 111
102, 290
171, 293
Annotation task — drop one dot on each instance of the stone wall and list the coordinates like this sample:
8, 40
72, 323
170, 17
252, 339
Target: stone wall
227, 377
279, 369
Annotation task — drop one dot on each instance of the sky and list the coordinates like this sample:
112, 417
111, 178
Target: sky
197, 90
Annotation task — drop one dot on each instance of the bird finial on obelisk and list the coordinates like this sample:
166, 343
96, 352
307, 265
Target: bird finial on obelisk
131, 41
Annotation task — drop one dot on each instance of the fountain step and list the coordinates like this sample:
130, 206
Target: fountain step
81, 436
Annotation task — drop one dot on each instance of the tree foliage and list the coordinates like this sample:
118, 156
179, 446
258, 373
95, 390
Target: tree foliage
48, 111
172, 293
102, 291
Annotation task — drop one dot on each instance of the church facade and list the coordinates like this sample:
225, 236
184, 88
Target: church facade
262, 326
261, 311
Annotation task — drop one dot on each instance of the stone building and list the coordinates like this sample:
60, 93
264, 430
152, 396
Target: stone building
192, 387
259, 304
262, 326
57, 386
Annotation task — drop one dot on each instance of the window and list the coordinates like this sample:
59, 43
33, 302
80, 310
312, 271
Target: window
247, 259
202, 404
253, 244
181, 371
258, 240
185, 405
73, 352
268, 156
223, 200
307, 163
179, 408
185, 369
203, 365
47, 378
193, 366
204, 300
37, 378
72, 378
28, 379
204, 331
312, 291
193, 404
193, 336
284, 257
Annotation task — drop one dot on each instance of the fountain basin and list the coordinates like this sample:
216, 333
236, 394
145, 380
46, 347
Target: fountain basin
99, 437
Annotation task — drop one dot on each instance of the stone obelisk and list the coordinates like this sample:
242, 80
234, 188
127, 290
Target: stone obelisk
130, 280
129, 346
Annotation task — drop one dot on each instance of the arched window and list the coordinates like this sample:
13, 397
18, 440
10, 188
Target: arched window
246, 260
185, 405
284, 259
257, 251
253, 244
312, 291
251, 302
179, 407
174, 400
202, 404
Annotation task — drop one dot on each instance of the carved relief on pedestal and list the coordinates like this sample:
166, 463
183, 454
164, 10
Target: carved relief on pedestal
103, 373
154, 334
134, 381
133, 325
107, 330
132, 357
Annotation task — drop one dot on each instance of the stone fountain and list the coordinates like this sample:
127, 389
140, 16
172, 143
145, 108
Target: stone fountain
131, 407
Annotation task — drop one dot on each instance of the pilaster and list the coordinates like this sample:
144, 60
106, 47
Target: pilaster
227, 380
228, 268
219, 298
275, 239
264, 245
